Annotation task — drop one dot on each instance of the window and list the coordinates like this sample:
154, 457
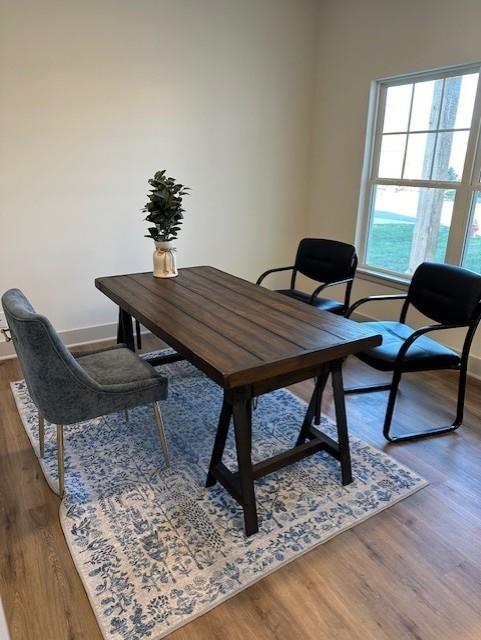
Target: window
421, 191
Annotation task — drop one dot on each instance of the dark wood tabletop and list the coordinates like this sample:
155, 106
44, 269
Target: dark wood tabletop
250, 341
236, 332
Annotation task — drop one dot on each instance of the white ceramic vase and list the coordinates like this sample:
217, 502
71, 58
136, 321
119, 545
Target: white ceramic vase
164, 260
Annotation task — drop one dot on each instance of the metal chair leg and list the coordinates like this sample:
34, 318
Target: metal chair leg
396, 379
160, 427
461, 395
372, 388
60, 461
41, 433
432, 431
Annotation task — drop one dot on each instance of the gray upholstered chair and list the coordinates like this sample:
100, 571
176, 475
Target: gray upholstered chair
68, 388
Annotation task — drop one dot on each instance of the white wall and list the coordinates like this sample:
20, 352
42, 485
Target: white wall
96, 95
358, 43
243, 101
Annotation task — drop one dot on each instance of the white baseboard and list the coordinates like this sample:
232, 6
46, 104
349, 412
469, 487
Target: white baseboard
71, 338
474, 367
99, 333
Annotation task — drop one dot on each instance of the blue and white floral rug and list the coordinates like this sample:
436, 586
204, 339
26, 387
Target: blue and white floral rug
154, 548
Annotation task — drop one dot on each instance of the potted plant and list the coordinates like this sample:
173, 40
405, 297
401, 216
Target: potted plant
164, 210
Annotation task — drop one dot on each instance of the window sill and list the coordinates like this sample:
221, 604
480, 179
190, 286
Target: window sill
395, 282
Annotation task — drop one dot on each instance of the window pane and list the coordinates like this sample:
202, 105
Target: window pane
472, 252
392, 156
426, 105
398, 101
419, 156
408, 226
450, 155
466, 101
458, 101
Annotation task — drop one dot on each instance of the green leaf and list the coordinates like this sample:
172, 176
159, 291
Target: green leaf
164, 206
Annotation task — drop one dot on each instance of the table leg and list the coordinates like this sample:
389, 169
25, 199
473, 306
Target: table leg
220, 439
242, 411
342, 433
125, 330
120, 329
317, 411
241, 483
314, 404
138, 334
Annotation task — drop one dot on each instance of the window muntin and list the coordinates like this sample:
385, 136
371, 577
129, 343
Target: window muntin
472, 253
424, 170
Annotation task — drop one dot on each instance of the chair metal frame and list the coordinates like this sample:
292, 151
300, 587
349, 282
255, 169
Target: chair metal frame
347, 281
399, 369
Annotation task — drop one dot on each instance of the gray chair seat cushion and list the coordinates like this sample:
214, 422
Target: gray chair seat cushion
324, 304
115, 365
422, 355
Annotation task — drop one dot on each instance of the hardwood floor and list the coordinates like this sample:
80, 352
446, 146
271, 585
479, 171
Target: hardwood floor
411, 572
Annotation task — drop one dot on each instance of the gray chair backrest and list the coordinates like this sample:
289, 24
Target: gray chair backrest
55, 380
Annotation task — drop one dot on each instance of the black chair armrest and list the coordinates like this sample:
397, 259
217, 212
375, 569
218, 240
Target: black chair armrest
317, 291
358, 303
269, 271
421, 332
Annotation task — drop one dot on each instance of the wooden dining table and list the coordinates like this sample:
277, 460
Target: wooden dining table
250, 341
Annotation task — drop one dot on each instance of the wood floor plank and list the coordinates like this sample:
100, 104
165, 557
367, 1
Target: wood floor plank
411, 572
42, 599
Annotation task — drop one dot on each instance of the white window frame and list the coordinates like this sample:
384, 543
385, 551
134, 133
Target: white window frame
465, 190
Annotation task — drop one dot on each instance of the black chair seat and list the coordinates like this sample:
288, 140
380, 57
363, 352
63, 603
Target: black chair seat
325, 304
423, 355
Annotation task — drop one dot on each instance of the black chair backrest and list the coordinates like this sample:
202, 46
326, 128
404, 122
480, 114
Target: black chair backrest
326, 260
445, 293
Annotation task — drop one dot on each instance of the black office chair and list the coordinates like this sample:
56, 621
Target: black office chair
327, 261
449, 295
